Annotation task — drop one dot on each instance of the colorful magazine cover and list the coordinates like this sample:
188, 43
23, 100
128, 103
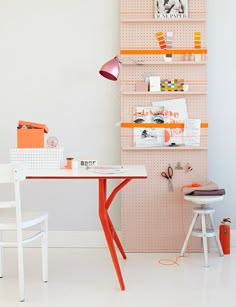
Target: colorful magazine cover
175, 111
148, 137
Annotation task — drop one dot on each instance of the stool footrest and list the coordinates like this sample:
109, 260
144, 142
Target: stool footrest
198, 233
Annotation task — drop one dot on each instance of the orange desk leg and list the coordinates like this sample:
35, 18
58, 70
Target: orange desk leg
108, 228
116, 238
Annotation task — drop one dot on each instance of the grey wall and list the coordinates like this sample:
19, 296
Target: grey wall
50, 55
222, 103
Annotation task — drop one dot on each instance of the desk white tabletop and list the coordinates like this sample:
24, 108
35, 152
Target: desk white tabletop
102, 171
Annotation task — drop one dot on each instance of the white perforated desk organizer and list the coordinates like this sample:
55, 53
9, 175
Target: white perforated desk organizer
38, 158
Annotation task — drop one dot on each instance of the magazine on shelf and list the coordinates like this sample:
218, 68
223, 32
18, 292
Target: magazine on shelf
171, 8
148, 137
175, 111
192, 132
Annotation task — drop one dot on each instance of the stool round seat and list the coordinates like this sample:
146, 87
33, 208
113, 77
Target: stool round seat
203, 232
203, 200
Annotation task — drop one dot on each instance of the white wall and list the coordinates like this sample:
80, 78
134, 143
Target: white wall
222, 103
51, 51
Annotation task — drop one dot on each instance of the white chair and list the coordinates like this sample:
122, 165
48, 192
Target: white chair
19, 221
203, 211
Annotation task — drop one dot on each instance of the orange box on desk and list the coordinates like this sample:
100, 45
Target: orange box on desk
31, 138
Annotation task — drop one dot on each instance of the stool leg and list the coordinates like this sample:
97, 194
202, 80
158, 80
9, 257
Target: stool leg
188, 234
204, 239
216, 237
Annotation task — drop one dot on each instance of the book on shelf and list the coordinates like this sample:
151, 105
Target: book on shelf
148, 137
175, 9
175, 111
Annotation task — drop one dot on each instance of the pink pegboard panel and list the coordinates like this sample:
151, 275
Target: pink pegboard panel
151, 215
154, 219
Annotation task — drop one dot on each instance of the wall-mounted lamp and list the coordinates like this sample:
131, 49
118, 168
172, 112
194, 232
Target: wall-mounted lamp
111, 69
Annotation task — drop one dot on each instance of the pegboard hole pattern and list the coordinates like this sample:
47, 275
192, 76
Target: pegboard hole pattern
151, 215
138, 72
143, 36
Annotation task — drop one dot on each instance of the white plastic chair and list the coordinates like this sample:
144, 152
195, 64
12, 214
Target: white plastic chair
19, 221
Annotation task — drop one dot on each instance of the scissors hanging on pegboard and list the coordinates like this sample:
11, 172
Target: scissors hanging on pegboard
168, 175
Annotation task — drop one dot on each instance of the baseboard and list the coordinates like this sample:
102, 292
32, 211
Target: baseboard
86, 239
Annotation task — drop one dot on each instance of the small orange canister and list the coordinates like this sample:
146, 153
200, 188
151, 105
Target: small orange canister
69, 162
224, 234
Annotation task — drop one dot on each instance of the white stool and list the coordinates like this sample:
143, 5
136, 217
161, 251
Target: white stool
203, 233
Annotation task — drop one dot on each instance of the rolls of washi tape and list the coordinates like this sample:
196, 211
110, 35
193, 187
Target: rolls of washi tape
197, 40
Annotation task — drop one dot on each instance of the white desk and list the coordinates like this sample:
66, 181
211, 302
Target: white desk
128, 173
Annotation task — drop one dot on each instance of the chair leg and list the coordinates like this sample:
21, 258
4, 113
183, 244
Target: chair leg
20, 262
45, 251
216, 237
21, 271
188, 234
204, 239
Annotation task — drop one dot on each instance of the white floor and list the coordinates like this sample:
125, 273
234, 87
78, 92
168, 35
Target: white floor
85, 277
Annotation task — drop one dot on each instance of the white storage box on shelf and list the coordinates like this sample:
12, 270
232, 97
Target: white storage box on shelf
38, 158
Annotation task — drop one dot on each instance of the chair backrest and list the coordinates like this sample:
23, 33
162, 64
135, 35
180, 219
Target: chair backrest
11, 174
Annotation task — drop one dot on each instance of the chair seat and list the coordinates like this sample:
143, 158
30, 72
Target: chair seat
28, 219
203, 200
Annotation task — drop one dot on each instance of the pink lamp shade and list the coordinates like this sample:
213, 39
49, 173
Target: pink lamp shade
111, 69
